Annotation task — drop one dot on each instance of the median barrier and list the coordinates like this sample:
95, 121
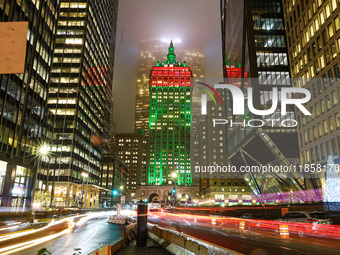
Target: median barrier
117, 244
179, 243
111, 248
106, 250
127, 231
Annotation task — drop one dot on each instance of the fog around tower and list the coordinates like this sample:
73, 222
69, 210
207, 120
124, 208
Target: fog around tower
191, 24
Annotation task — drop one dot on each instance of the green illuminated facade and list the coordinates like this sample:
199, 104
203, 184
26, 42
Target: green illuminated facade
170, 122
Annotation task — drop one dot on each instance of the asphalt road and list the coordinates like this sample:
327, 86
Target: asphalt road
241, 242
92, 235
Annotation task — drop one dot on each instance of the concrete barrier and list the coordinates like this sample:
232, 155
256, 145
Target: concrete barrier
127, 230
106, 250
110, 248
179, 243
117, 244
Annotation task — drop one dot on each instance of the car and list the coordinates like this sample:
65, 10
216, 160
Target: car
316, 217
156, 209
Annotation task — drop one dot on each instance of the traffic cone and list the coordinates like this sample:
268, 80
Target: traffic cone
213, 221
284, 231
242, 225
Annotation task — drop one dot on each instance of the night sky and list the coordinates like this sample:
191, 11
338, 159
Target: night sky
195, 22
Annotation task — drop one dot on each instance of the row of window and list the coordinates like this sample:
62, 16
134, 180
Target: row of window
321, 129
320, 151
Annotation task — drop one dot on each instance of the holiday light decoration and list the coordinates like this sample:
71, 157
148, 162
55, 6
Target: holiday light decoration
332, 188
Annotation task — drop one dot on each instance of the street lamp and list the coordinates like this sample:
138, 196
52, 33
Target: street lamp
174, 176
43, 151
85, 175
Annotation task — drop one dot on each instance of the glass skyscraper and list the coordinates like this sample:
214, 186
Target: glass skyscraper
80, 92
253, 38
25, 123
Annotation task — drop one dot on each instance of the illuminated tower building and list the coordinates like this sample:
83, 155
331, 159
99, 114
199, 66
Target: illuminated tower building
258, 43
79, 93
24, 119
149, 51
314, 50
169, 127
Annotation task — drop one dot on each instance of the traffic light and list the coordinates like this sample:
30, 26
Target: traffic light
174, 190
115, 192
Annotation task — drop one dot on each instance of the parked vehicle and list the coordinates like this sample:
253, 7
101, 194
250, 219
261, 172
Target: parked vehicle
315, 217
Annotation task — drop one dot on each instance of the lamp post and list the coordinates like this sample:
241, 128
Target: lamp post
43, 151
121, 192
174, 176
85, 175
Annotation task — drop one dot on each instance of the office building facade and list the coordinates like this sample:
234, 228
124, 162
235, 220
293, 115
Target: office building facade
258, 45
80, 95
313, 36
25, 123
113, 180
133, 150
217, 188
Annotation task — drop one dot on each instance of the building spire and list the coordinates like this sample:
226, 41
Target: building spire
171, 55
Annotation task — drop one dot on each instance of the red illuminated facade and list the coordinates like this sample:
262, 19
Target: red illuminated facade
234, 74
170, 76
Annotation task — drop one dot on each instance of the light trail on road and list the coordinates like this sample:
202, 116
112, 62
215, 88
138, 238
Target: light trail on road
42, 235
258, 234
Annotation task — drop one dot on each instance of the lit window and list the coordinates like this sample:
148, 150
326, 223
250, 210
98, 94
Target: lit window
322, 18
330, 30
334, 5
73, 41
316, 23
328, 11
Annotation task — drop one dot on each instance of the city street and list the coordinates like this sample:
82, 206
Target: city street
248, 242
86, 237
184, 127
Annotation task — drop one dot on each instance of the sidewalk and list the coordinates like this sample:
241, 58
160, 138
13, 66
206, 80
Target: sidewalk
151, 249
